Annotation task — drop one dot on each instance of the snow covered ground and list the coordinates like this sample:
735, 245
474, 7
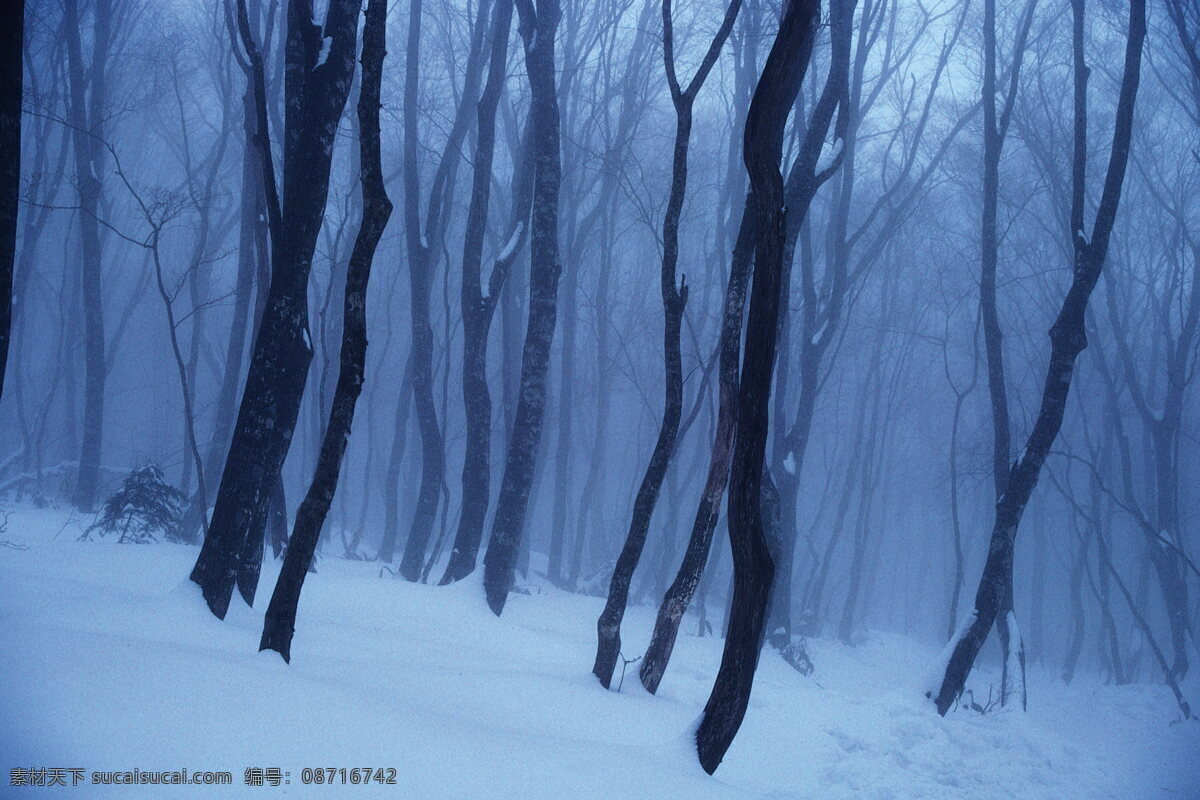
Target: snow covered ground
109, 661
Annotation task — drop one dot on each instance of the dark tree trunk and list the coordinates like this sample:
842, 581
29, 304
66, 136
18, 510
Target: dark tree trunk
1068, 338
88, 97
315, 97
277, 520
251, 253
754, 568
687, 579
994, 133
420, 267
478, 309
819, 322
674, 300
421, 244
12, 43
537, 30
280, 621
676, 601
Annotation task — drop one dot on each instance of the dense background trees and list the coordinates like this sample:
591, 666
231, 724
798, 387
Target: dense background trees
196, 158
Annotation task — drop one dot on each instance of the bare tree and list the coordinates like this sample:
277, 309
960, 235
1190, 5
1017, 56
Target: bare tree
253, 262
86, 112
674, 299
687, 579
320, 66
537, 27
994, 133
477, 308
1068, 338
421, 241
280, 620
960, 397
754, 566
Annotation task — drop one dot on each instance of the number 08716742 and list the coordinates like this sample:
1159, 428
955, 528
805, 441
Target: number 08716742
352, 775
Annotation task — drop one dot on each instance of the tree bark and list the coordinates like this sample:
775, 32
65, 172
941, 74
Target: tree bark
695, 557
804, 180
754, 568
674, 300
421, 244
994, 133
12, 43
280, 622
251, 249
478, 309
420, 263
537, 29
315, 95
1068, 338
88, 97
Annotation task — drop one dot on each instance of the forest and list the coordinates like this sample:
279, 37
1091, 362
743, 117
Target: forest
594, 398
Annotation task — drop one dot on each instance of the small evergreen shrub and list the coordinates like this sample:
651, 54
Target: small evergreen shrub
145, 504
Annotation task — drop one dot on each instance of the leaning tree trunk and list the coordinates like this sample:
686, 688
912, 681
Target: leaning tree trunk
679, 594
251, 248
753, 566
315, 95
674, 299
804, 180
538, 31
1068, 338
280, 621
478, 309
12, 41
994, 132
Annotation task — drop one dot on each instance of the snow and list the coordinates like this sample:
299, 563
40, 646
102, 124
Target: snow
513, 240
816, 337
323, 56
111, 662
789, 463
936, 670
829, 156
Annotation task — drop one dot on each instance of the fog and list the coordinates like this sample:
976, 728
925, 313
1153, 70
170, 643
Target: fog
951, 181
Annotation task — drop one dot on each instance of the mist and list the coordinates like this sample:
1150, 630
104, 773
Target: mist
776, 353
